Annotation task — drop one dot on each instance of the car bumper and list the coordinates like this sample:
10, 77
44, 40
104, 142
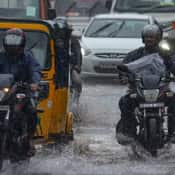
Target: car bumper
93, 66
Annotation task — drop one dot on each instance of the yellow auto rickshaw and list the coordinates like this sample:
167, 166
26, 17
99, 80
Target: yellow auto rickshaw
48, 42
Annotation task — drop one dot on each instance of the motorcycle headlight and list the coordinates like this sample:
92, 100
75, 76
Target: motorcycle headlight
2, 94
6, 90
151, 95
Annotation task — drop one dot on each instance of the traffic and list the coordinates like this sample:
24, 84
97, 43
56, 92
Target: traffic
87, 84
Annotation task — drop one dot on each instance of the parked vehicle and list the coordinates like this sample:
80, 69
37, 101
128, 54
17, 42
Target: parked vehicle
15, 100
108, 38
152, 95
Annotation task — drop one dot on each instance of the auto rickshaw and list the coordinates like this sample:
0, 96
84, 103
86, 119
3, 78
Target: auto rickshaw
49, 43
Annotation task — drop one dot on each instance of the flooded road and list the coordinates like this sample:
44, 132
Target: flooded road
94, 150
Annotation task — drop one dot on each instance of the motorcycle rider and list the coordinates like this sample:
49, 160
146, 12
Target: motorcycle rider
126, 127
75, 57
76, 62
24, 67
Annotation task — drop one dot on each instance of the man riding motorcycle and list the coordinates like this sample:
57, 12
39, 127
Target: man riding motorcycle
15, 60
75, 57
126, 127
76, 62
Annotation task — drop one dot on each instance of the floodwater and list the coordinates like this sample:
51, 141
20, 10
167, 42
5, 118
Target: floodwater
94, 150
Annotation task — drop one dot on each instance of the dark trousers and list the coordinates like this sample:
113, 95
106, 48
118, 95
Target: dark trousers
76, 82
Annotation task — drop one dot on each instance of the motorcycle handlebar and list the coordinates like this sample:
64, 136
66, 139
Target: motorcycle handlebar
123, 68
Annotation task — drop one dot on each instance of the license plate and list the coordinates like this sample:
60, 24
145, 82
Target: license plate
108, 66
4, 107
151, 105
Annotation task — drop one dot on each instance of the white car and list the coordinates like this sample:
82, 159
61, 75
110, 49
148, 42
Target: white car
108, 38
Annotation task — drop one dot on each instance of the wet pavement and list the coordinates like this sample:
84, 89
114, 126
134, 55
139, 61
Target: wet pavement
94, 150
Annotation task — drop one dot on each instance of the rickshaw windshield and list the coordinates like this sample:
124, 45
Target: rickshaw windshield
38, 44
19, 8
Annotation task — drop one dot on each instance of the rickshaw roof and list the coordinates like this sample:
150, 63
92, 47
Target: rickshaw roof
28, 24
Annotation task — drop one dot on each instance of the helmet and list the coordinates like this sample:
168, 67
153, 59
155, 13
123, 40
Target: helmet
152, 31
62, 22
64, 29
14, 41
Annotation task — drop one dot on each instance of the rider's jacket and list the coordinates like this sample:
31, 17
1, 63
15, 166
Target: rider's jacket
24, 67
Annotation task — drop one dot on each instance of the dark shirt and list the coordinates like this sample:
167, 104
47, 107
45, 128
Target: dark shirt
24, 68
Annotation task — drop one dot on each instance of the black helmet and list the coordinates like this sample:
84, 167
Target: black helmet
62, 22
14, 41
153, 31
62, 28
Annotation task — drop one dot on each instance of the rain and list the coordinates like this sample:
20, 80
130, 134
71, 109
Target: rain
94, 150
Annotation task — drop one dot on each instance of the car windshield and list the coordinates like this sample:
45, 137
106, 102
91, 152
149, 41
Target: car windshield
116, 28
19, 8
37, 44
81, 8
145, 5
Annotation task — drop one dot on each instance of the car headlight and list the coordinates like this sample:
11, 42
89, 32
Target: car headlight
85, 51
151, 95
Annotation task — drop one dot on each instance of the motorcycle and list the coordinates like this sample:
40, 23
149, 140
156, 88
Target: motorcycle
151, 94
15, 100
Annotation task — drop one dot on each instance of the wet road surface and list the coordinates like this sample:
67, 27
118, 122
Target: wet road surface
94, 150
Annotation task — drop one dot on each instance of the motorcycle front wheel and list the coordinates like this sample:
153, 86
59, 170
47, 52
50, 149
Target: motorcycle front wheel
152, 136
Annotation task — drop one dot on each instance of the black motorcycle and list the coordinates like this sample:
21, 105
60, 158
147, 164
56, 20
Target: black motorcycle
15, 104
152, 95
